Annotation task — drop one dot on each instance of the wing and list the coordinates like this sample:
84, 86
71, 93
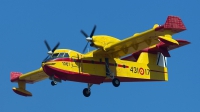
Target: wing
22, 79
160, 47
30, 77
145, 39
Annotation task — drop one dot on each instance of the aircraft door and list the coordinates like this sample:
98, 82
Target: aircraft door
122, 68
107, 67
75, 64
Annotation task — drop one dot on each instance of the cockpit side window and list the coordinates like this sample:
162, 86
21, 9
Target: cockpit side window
66, 55
61, 55
57, 55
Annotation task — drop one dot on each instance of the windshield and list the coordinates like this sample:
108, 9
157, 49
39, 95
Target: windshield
57, 55
54, 55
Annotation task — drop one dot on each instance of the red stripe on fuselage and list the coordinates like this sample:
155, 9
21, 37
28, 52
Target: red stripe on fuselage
127, 79
86, 78
157, 71
73, 76
96, 62
123, 66
88, 61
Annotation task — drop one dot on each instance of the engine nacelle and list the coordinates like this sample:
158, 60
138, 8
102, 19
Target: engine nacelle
100, 41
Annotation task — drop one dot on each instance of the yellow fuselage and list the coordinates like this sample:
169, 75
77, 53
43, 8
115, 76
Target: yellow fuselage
86, 68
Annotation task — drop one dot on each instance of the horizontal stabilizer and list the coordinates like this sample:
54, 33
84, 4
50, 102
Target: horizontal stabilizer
167, 39
164, 51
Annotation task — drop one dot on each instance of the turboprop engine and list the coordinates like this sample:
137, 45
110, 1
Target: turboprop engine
98, 41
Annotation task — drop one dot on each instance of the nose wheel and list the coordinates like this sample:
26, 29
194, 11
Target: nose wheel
116, 82
54, 80
86, 92
53, 83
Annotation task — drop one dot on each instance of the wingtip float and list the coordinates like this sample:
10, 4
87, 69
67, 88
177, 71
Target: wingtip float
147, 62
14, 77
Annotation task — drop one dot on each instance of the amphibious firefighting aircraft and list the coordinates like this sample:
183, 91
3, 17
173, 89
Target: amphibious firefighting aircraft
140, 57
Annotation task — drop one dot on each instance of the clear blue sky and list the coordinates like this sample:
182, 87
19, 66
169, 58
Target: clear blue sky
25, 24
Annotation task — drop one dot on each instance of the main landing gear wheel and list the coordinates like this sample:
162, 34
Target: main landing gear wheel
53, 83
115, 82
86, 92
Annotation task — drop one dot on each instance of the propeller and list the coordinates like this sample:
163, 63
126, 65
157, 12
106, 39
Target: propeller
89, 38
50, 52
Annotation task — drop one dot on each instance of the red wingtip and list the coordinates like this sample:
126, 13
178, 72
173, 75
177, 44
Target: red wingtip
14, 76
173, 23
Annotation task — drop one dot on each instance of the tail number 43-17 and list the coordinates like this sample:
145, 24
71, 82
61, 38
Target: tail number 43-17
140, 70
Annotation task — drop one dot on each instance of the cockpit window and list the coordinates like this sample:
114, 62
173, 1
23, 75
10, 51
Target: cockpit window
54, 55
61, 55
57, 55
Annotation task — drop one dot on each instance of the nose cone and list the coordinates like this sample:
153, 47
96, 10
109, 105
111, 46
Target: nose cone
43, 63
89, 39
49, 52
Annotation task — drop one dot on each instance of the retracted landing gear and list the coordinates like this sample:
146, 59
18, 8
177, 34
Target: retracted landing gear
87, 91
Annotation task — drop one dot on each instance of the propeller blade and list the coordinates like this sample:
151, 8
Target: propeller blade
85, 47
92, 33
84, 33
47, 45
45, 58
89, 38
55, 47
